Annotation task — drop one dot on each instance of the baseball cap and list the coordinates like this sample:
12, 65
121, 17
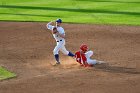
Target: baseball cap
84, 47
59, 20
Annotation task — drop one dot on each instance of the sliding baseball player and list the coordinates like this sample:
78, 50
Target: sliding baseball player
83, 57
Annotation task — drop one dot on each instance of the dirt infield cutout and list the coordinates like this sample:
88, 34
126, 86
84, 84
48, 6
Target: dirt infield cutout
26, 48
138, 66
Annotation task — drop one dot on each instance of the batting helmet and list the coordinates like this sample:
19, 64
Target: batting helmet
59, 20
84, 47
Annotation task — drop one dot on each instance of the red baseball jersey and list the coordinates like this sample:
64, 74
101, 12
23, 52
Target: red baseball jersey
80, 57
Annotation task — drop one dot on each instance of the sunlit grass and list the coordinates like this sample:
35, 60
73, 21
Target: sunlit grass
5, 74
74, 11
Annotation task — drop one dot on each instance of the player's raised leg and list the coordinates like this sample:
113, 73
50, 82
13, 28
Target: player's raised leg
66, 52
92, 61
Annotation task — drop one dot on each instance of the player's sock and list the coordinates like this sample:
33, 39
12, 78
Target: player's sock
71, 54
57, 57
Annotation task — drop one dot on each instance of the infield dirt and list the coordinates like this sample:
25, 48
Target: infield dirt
26, 49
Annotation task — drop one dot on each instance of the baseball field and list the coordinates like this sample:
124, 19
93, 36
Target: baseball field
111, 28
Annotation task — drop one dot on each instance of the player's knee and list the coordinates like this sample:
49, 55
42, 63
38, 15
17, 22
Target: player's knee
55, 52
90, 52
66, 53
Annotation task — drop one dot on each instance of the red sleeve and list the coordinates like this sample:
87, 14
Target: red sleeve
77, 56
80, 58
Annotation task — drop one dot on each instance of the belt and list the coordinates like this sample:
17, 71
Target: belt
59, 40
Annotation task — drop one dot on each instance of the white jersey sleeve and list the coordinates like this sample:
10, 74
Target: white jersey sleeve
49, 26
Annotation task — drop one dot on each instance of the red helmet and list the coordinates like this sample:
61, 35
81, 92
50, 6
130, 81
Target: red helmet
84, 47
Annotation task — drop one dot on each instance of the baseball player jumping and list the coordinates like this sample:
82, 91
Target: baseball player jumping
59, 35
83, 57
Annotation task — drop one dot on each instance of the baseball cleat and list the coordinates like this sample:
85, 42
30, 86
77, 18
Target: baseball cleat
100, 62
56, 64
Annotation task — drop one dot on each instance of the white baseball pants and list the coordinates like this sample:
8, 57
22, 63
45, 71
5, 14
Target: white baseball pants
89, 60
60, 46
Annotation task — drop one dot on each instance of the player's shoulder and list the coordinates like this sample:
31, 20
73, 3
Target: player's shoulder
60, 28
77, 52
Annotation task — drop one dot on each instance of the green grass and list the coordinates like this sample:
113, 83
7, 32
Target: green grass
74, 11
5, 74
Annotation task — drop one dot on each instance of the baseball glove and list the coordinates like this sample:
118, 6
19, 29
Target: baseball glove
54, 31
